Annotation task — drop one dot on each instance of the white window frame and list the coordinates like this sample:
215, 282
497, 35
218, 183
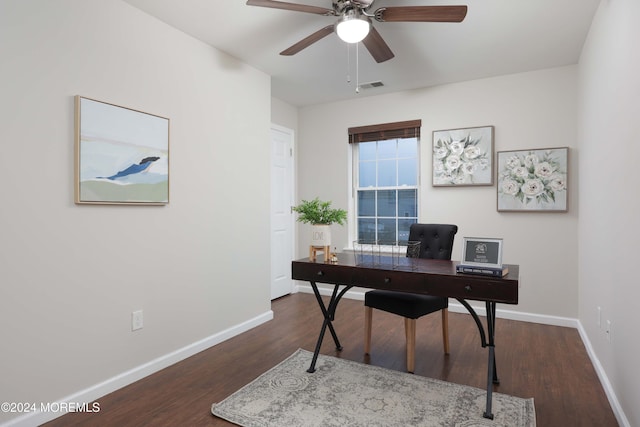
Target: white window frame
353, 179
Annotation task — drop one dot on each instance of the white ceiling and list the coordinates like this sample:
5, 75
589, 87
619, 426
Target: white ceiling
497, 37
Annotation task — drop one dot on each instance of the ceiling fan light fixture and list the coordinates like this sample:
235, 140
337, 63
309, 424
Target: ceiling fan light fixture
352, 27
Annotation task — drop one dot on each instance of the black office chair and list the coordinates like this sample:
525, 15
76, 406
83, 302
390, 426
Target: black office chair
436, 242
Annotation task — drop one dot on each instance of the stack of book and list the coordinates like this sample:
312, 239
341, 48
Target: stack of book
485, 271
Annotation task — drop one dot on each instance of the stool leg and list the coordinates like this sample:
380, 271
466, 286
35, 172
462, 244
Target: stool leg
410, 332
368, 312
445, 330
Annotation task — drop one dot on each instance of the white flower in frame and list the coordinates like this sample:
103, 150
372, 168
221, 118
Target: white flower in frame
459, 178
543, 170
472, 152
468, 168
520, 172
530, 160
456, 147
441, 152
510, 187
557, 183
513, 162
532, 188
453, 163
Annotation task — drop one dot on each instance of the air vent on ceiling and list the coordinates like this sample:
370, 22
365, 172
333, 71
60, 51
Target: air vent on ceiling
371, 85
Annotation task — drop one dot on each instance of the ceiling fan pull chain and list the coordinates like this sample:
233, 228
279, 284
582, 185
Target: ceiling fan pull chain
357, 68
348, 63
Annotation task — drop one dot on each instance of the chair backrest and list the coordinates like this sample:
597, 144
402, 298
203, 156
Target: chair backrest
436, 240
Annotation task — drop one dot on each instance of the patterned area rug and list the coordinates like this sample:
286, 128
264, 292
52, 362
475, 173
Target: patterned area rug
346, 393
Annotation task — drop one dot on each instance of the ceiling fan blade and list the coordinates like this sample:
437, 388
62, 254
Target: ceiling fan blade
377, 47
421, 14
308, 41
291, 6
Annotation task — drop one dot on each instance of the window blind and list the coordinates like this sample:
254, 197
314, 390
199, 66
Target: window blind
380, 132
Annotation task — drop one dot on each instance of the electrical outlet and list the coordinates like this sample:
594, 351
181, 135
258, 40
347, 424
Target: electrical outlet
136, 320
608, 330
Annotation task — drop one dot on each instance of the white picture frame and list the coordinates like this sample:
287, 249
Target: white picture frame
534, 180
121, 155
463, 157
481, 252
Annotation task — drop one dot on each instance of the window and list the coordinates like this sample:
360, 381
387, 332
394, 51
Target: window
386, 178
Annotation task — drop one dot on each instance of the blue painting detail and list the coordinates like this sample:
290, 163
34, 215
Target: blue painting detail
134, 168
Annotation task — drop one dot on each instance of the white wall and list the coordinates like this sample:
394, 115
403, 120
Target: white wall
529, 110
609, 123
284, 114
71, 275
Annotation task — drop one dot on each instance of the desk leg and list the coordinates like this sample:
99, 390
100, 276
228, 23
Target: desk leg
492, 372
329, 314
491, 326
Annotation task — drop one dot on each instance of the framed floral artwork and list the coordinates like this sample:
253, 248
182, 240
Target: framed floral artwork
463, 157
533, 180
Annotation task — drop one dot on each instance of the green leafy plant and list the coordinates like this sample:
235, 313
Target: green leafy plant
318, 212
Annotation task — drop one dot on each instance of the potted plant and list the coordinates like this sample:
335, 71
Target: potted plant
320, 215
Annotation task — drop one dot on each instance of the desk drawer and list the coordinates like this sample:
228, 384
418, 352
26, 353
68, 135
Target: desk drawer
478, 290
391, 280
322, 273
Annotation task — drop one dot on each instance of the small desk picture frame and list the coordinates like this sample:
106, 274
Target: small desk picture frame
482, 252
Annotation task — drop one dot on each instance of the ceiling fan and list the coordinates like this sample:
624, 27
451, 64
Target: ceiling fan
354, 21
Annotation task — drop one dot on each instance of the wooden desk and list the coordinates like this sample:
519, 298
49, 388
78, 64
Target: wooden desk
421, 276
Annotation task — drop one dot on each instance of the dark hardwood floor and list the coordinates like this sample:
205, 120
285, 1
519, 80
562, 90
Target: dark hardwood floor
548, 363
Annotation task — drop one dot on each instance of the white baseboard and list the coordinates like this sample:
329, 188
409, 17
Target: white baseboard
523, 317
96, 391
604, 380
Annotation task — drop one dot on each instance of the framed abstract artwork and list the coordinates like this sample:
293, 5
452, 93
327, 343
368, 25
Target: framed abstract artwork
463, 157
122, 155
533, 180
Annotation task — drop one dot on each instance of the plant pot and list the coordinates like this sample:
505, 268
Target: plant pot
320, 235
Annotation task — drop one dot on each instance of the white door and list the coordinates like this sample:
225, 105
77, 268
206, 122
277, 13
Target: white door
282, 219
